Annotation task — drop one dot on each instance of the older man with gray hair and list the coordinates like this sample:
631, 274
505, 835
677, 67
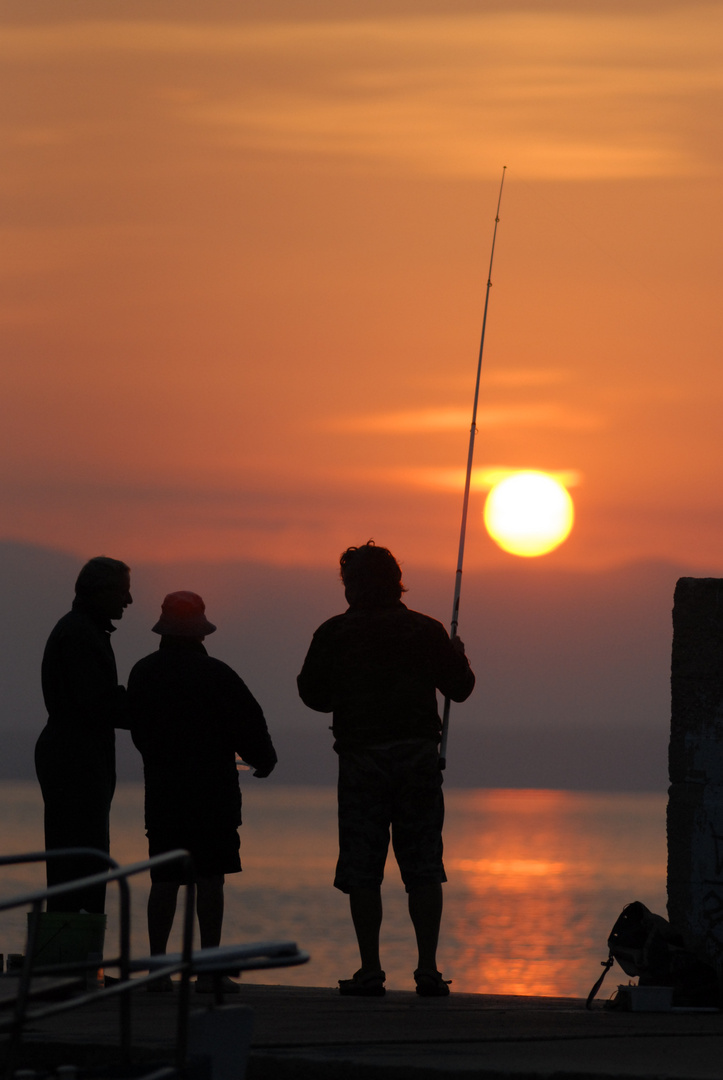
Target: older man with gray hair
75, 753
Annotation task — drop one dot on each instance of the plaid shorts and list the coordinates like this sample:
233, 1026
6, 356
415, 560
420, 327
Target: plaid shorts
397, 788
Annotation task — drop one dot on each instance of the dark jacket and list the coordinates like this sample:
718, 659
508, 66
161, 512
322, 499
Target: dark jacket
377, 669
75, 752
84, 701
190, 715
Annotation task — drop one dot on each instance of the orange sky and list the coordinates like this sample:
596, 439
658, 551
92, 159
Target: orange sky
244, 261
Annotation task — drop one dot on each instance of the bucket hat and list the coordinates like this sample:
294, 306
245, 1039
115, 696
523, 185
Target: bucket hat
183, 615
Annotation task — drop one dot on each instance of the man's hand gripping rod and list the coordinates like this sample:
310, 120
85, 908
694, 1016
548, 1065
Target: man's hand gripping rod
467, 482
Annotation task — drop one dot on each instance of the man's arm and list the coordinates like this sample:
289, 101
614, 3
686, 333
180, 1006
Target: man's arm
80, 682
455, 678
140, 718
313, 680
251, 734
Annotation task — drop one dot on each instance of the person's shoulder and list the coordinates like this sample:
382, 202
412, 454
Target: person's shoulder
146, 663
331, 625
196, 662
218, 670
63, 623
214, 664
424, 622
74, 624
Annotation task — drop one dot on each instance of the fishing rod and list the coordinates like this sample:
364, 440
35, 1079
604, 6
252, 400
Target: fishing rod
468, 480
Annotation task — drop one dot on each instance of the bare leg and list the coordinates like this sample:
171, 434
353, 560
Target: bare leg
161, 912
209, 908
425, 910
366, 914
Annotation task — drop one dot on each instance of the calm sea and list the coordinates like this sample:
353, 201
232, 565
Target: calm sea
536, 880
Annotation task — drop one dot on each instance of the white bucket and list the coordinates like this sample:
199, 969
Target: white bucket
649, 998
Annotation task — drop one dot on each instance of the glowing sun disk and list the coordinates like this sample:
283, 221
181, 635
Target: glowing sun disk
529, 513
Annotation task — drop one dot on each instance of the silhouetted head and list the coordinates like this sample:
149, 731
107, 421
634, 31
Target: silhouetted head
183, 614
104, 585
371, 575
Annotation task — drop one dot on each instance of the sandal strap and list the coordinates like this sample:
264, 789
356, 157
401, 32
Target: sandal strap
431, 983
369, 983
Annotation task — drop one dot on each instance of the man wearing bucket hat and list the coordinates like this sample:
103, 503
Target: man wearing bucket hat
190, 715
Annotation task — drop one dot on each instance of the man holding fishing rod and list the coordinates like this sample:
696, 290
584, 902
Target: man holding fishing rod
377, 668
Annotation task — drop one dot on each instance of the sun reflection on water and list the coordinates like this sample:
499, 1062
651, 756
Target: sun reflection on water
537, 879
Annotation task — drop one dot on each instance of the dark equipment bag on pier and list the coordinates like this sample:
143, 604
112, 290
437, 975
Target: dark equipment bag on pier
646, 945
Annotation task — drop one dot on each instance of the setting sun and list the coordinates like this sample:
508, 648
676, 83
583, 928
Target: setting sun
529, 513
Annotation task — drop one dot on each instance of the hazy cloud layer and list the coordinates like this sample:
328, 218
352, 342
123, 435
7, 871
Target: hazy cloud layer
540, 414
558, 694
448, 95
245, 251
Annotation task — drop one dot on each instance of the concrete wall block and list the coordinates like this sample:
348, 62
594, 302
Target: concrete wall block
695, 865
684, 801
704, 758
703, 931
695, 805
695, 705
707, 858
696, 731
698, 628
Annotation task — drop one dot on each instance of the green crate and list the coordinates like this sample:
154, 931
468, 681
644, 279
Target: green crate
67, 937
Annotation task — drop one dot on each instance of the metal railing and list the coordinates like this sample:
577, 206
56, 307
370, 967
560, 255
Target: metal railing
217, 962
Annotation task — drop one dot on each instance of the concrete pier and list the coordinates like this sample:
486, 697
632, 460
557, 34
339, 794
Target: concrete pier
314, 1034
695, 807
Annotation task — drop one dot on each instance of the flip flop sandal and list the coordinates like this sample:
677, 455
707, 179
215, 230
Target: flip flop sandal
370, 984
431, 984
